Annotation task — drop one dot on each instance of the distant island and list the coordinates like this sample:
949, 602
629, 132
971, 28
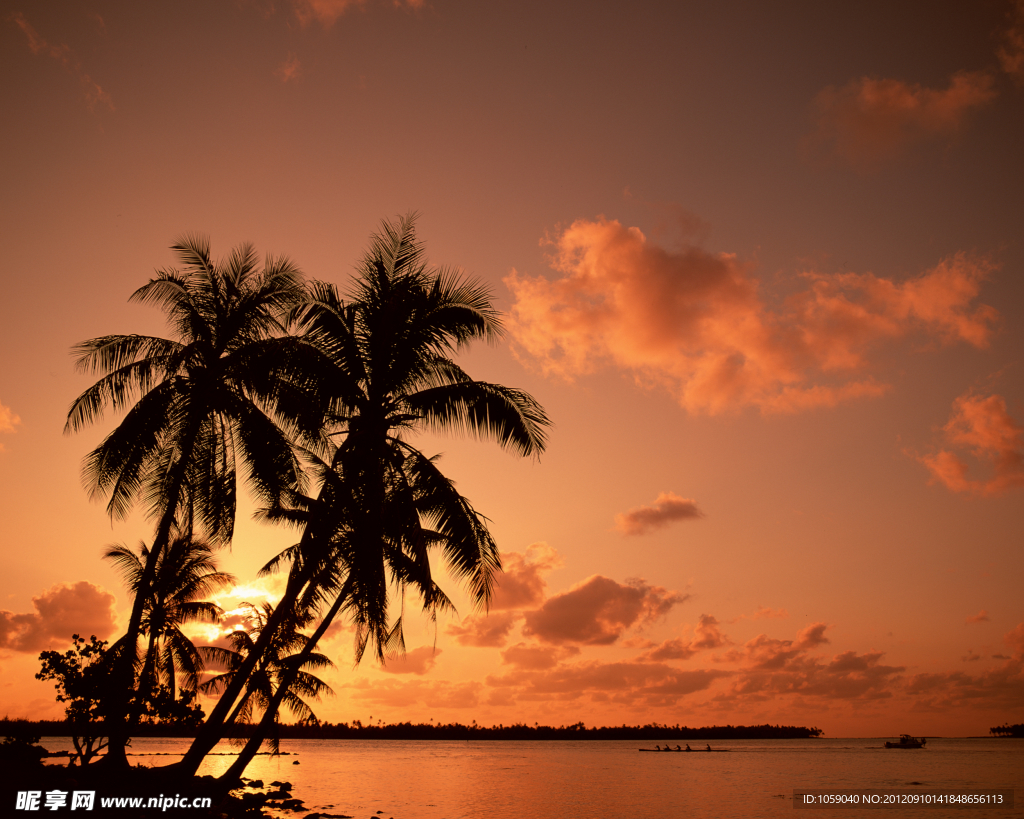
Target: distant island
1007, 730
449, 731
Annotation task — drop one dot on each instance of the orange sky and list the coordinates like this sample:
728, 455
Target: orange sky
762, 265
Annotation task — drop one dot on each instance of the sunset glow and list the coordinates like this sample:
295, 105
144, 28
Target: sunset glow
762, 265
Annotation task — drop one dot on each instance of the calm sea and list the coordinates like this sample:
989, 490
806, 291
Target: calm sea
611, 780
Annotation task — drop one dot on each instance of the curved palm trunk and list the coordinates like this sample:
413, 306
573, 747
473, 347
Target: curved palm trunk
124, 673
252, 746
211, 731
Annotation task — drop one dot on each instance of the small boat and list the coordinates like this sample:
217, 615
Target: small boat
906, 741
684, 750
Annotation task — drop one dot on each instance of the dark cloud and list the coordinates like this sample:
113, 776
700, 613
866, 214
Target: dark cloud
870, 121
597, 611
667, 508
706, 636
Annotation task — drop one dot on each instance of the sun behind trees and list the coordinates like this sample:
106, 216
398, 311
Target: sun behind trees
317, 393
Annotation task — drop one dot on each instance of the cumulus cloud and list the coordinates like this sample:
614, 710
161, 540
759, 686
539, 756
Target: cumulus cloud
983, 425
667, 508
327, 12
980, 617
60, 611
94, 94
706, 635
869, 121
521, 584
696, 323
598, 611
490, 630
418, 661
289, 70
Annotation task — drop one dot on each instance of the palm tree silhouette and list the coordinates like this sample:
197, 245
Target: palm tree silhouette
202, 401
185, 575
279, 663
383, 505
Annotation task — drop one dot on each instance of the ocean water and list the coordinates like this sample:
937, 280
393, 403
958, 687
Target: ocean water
611, 780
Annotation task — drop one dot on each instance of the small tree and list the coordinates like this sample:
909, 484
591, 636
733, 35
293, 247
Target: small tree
80, 675
82, 678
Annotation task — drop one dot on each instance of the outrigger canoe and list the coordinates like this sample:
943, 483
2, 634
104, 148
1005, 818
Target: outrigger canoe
685, 750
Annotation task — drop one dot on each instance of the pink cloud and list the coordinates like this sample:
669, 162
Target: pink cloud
62, 610
629, 683
521, 584
695, 322
327, 12
489, 630
706, 636
980, 617
871, 120
537, 658
1015, 641
94, 94
983, 425
8, 421
418, 661
405, 693
1011, 50
667, 508
597, 611
289, 70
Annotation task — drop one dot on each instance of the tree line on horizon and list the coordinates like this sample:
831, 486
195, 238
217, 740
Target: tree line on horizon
309, 396
455, 731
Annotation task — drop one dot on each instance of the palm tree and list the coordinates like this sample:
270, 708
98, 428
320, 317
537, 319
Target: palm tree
185, 575
202, 400
276, 665
383, 505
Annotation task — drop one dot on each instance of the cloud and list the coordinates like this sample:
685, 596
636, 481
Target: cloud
405, 693
1015, 641
327, 12
695, 322
521, 584
290, 69
537, 658
62, 610
94, 94
869, 121
418, 661
490, 630
8, 421
763, 613
706, 636
1011, 50
597, 611
667, 508
983, 425
628, 683
980, 617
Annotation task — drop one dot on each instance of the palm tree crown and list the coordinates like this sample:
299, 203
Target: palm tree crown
202, 400
185, 576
